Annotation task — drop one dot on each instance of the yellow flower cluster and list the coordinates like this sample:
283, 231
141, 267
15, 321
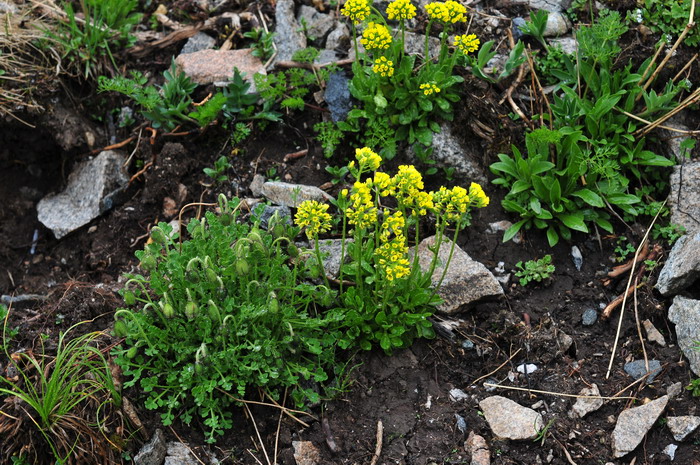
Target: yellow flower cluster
361, 212
467, 43
408, 189
384, 184
448, 12
400, 10
314, 216
376, 37
392, 258
356, 10
451, 204
429, 88
478, 196
383, 67
393, 223
367, 159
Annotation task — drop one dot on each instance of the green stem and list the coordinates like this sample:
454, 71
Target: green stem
320, 262
449, 257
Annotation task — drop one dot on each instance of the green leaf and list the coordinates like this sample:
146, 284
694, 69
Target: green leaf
573, 221
552, 236
513, 230
590, 197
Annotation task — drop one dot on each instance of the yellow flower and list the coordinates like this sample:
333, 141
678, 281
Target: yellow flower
455, 12
429, 88
382, 182
453, 204
391, 258
361, 212
383, 67
393, 224
356, 10
376, 37
467, 43
478, 196
408, 179
314, 216
367, 159
447, 12
400, 10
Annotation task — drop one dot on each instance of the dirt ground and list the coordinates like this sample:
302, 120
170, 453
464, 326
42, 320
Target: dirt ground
409, 392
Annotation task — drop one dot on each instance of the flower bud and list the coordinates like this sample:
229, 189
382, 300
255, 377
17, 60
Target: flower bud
158, 235
214, 314
168, 310
132, 352
212, 277
292, 250
226, 219
242, 267
120, 329
272, 302
148, 262
190, 310
129, 298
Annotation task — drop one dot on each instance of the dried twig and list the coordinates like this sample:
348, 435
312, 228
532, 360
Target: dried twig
499, 367
639, 327
257, 432
378, 448
629, 283
620, 269
560, 394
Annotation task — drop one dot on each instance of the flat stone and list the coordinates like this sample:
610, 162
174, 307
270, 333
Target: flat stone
331, 250
633, 424
550, 5
448, 151
199, 41
510, 420
478, 449
337, 96
583, 406
568, 45
670, 450
653, 334
637, 368
153, 452
305, 453
179, 454
288, 35
682, 267
257, 184
683, 426
557, 25
317, 24
466, 281
326, 56
216, 66
685, 313
284, 213
685, 207
674, 390
93, 188
339, 38
291, 195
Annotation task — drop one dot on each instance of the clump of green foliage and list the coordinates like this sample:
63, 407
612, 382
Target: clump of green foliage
226, 311
669, 17
589, 165
535, 270
106, 25
263, 41
171, 104
59, 399
694, 387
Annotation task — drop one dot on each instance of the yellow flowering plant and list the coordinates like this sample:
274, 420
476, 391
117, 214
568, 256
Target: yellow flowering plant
403, 97
384, 297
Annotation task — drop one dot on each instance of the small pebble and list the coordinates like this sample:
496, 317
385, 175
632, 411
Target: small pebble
527, 368
670, 450
467, 344
578, 258
461, 423
517, 24
589, 317
637, 369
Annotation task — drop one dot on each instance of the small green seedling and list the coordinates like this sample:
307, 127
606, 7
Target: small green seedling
534, 270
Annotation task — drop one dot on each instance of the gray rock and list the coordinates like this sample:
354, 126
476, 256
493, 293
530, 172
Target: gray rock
637, 368
510, 420
673, 142
683, 426
449, 152
93, 188
153, 452
550, 5
216, 66
466, 281
589, 317
685, 313
633, 424
326, 56
199, 41
288, 35
457, 395
305, 453
467, 344
517, 25
567, 44
685, 208
291, 195
557, 25
670, 450
584, 406
283, 212
339, 38
257, 184
682, 267
317, 24
461, 423
331, 250
653, 334
674, 390
179, 454
577, 257
337, 96
414, 44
